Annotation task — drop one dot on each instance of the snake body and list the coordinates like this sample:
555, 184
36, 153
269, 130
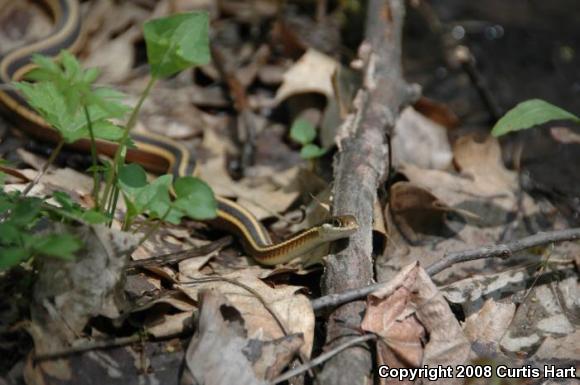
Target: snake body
154, 152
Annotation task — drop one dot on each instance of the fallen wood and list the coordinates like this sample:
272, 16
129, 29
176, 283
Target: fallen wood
360, 166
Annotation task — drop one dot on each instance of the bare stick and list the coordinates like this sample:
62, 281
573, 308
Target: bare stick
181, 255
49, 161
360, 167
322, 358
504, 250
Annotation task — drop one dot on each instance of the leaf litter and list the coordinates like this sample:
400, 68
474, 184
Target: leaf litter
455, 196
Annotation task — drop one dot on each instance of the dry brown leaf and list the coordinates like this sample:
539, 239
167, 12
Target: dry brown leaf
488, 325
245, 11
564, 135
224, 351
401, 334
564, 348
182, 6
114, 29
271, 74
416, 212
264, 199
548, 309
482, 175
170, 325
483, 198
312, 73
380, 236
545, 310
22, 22
408, 308
171, 114
420, 141
437, 112
293, 309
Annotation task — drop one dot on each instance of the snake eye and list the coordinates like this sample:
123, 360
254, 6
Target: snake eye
336, 222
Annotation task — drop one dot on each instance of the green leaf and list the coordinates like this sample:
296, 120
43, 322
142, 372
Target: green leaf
133, 176
109, 100
177, 42
311, 151
12, 256
57, 245
74, 209
91, 75
528, 114
195, 198
25, 211
72, 67
61, 93
46, 64
302, 131
5, 204
152, 198
104, 129
9, 234
64, 200
93, 217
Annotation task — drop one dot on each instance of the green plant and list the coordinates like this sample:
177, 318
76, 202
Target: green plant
528, 114
18, 241
303, 132
170, 49
66, 97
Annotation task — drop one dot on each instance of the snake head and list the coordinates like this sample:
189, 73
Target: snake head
337, 227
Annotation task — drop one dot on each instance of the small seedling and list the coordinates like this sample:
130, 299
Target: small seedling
304, 133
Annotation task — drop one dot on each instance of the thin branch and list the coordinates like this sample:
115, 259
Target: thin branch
246, 130
322, 358
465, 57
109, 343
172, 258
49, 161
505, 250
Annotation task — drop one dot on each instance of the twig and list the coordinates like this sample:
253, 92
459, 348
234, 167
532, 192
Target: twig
246, 133
360, 167
49, 161
109, 343
464, 56
505, 250
332, 300
171, 258
322, 358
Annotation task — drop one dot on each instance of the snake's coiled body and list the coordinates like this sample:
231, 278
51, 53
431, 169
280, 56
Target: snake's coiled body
154, 152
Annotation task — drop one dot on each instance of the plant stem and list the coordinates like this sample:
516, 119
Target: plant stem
96, 179
49, 161
154, 228
119, 158
115, 199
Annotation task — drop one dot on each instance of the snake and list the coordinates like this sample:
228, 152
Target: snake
155, 152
